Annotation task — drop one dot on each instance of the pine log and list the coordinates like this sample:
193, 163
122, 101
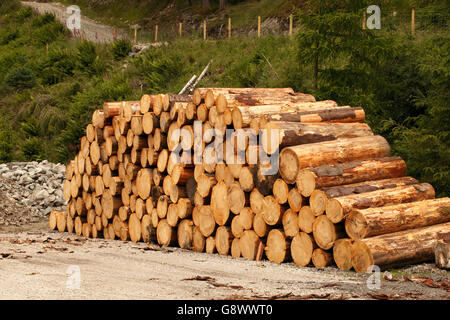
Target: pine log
290, 223
341, 114
338, 208
223, 240
371, 222
260, 226
134, 228
236, 248
210, 244
327, 176
321, 258
342, 253
198, 240
237, 228
317, 202
285, 134
277, 246
220, 203
295, 200
272, 211
166, 234
302, 247
207, 223
398, 249
326, 233
293, 159
246, 218
185, 233
367, 186
249, 244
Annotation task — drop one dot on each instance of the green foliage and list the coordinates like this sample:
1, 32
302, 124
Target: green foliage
20, 78
59, 64
9, 6
121, 48
89, 61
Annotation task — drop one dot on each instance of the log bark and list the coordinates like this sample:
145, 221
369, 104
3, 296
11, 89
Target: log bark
341, 114
293, 159
327, 176
338, 208
371, 222
285, 134
398, 249
368, 186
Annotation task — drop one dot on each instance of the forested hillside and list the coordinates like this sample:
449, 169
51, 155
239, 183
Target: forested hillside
401, 81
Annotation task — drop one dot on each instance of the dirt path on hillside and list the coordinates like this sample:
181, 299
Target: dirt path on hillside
92, 30
35, 264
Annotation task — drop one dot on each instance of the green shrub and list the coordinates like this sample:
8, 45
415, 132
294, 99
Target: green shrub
48, 33
41, 20
9, 6
88, 61
58, 65
121, 48
20, 78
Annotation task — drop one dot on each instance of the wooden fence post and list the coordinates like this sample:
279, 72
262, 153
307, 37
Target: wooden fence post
413, 22
180, 28
364, 21
290, 25
229, 28
259, 26
46, 48
135, 35
204, 29
156, 33
115, 34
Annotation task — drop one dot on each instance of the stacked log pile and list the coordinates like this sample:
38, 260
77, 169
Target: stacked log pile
297, 180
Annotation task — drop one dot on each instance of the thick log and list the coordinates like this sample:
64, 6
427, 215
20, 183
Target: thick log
342, 253
246, 218
134, 228
321, 258
198, 240
398, 249
290, 223
185, 233
272, 211
302, 247
223, 240
207, 223
327, 176
277, 246
338, 208
220, 203
235, 248
210, 245
250, 244
306, 219
260, 226
285, 134
295, 200
236, 198
368, 186
293, 159
317, 202
326, 233
166, 235
371, 222
341, 114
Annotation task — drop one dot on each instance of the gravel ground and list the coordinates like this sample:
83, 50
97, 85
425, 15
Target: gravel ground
37, 264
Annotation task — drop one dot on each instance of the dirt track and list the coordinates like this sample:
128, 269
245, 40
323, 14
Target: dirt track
93, 30
34, 265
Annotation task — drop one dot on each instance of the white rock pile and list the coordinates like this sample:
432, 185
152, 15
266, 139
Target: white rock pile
37, 185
